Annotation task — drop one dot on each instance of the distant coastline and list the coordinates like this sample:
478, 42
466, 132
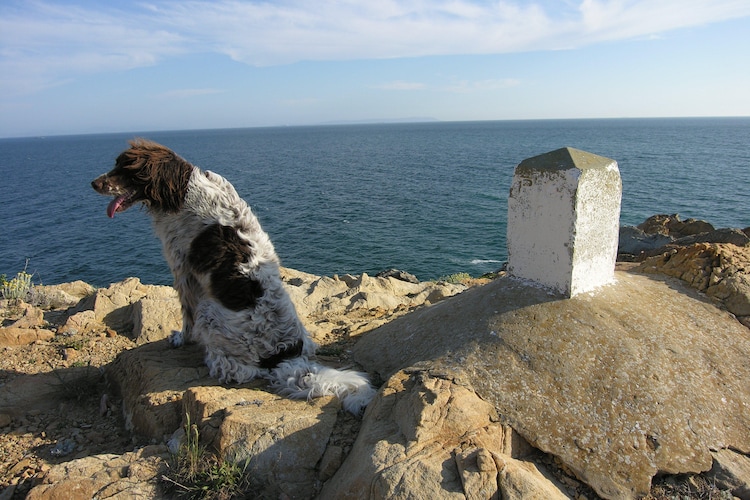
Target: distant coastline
51, 134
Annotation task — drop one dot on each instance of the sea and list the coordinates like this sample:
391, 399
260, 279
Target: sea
426, 198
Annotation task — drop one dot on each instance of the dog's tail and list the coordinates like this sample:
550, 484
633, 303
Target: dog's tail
300, 378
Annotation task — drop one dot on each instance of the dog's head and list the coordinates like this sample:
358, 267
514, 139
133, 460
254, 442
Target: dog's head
146, 172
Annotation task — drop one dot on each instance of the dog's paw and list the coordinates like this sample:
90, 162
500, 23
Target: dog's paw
176, 339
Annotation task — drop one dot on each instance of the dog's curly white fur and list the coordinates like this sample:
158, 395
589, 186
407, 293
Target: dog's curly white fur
226, 273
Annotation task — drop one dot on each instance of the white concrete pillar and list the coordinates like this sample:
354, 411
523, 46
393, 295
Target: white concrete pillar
564, 220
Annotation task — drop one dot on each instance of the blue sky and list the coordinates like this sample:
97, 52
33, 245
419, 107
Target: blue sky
86, 66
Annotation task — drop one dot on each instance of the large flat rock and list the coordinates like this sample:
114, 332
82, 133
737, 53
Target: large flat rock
426, 436
152, 380
639, 377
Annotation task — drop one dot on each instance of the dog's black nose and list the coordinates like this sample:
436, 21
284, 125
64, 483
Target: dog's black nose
99, 183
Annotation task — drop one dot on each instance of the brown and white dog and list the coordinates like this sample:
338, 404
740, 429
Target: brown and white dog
226, 273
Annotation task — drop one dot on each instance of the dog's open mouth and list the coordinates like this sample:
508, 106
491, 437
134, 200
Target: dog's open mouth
120, 203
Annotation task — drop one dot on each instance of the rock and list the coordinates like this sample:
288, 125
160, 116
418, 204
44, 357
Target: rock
661, 233
45, 391
358, 303
151, 380
25, 463
30, 317
273, 437
113, 306
69, 354
132, 475
145, 312
618, 384
638, 377
733, 236
330, 462
354, 303
722, 271
61, 296
156, 318
674, 226
63, 448
478, 472
78, 289
441, 438
634, 241
9, 492
399, 275
10, 336
160, 384
731, 471
523, 480
82, 322
427, 436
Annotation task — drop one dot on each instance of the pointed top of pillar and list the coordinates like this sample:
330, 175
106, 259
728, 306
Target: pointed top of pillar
564, 159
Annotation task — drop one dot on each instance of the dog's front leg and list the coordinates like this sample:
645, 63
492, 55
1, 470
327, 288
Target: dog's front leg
184, 336
176, 339
187, 289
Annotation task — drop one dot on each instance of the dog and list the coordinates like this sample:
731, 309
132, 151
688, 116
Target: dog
227, 276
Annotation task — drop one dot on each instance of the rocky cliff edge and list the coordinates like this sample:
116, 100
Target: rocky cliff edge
503, 390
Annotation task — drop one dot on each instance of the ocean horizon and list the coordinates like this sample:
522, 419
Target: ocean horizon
429, 198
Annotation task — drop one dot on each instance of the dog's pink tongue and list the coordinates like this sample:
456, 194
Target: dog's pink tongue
114, 205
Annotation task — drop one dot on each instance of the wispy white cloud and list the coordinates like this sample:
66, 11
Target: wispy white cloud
624, 19
293, 30
44, 43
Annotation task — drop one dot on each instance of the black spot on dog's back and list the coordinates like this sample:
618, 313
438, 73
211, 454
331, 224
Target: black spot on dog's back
212, 246
219, 251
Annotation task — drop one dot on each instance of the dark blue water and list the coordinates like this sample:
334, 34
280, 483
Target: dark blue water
427, 198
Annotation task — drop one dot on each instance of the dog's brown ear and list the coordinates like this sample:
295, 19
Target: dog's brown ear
161, 173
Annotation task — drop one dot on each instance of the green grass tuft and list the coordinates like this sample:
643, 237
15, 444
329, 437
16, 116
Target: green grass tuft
195, 473
457, 278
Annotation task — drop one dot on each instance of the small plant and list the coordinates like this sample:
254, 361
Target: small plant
74, 343
196, 473
330, 350
79, 385
456, 278
687, 486
17, 288
492, 275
